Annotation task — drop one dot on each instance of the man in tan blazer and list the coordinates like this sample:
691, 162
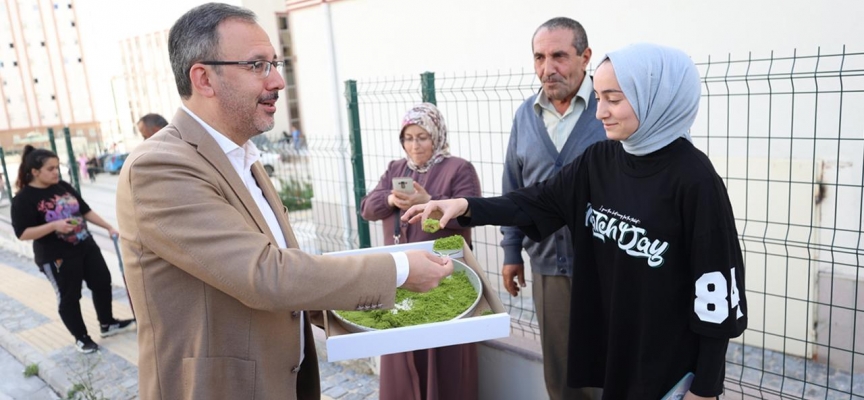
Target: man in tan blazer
213, 269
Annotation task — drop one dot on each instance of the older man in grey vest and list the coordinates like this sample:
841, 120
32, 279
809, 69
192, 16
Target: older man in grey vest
550, 130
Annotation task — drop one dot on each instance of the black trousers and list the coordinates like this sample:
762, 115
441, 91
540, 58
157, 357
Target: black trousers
66, 276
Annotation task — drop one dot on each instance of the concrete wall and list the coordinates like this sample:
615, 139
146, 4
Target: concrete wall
840, 326
376, 38
800, 196
511, 369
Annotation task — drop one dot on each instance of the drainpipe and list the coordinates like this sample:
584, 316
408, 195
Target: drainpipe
336, 109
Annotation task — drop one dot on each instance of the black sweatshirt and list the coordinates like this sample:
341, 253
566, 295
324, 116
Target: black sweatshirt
34, 206
658, 282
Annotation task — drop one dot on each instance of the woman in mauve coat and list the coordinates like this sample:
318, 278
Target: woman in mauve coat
445, 373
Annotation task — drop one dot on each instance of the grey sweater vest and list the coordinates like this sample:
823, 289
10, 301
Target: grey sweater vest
532, 157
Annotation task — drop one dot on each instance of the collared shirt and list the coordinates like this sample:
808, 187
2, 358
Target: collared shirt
241, 159
560, 125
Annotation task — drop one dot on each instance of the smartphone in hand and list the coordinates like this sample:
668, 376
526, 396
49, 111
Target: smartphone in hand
404, 185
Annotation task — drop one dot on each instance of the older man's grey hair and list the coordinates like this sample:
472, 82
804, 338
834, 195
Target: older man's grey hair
580, 38
194, 37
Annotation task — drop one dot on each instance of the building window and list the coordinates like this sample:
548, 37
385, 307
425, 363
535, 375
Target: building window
43, 44
35, 80
79, 59
283, 23
11, 45
53, 97
73, 24
70, 6
14, 63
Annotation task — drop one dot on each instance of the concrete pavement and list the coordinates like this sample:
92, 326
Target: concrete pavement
14, 385
31, 330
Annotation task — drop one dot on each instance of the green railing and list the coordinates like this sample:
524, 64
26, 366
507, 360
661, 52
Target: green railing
71, 160
783, 132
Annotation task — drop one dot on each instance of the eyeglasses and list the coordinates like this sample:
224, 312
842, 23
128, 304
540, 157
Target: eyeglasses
418, 139
261, 68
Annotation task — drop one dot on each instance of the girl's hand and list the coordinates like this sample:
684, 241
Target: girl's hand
62, 226
447, 209
113, 233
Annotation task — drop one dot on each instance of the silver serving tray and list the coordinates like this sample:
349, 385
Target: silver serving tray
457, 266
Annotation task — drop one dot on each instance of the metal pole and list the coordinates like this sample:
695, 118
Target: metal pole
73, 162
427, 87
6, 174
53, 148
357, 160
115, 238
337, 112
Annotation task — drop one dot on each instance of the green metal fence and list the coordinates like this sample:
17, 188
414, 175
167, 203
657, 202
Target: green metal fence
785, 132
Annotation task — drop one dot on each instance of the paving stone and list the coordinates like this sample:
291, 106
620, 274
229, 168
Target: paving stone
335, 380
336, 392
16, 317
326, 385
352, 384
366, 390
354, 396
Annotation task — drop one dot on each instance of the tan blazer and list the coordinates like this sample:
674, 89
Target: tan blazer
215, 298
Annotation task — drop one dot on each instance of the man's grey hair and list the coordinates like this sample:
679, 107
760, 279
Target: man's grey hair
580, 38
194, 37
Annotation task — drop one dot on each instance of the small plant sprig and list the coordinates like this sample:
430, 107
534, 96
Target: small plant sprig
31, 370
84, 374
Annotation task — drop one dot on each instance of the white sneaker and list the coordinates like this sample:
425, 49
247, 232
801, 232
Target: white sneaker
86, 345
119, 326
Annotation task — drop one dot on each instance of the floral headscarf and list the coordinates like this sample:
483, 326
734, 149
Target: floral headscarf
427, 116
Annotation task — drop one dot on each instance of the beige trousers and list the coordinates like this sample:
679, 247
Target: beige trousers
552, 302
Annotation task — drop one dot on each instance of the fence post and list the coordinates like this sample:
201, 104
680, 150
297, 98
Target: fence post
73, 162
357, 160
54, 149
427, 87
6, 174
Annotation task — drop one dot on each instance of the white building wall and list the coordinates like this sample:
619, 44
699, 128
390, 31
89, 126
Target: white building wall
381, 38
392, 39
45, 81
147, 69
149, 82
376, 38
